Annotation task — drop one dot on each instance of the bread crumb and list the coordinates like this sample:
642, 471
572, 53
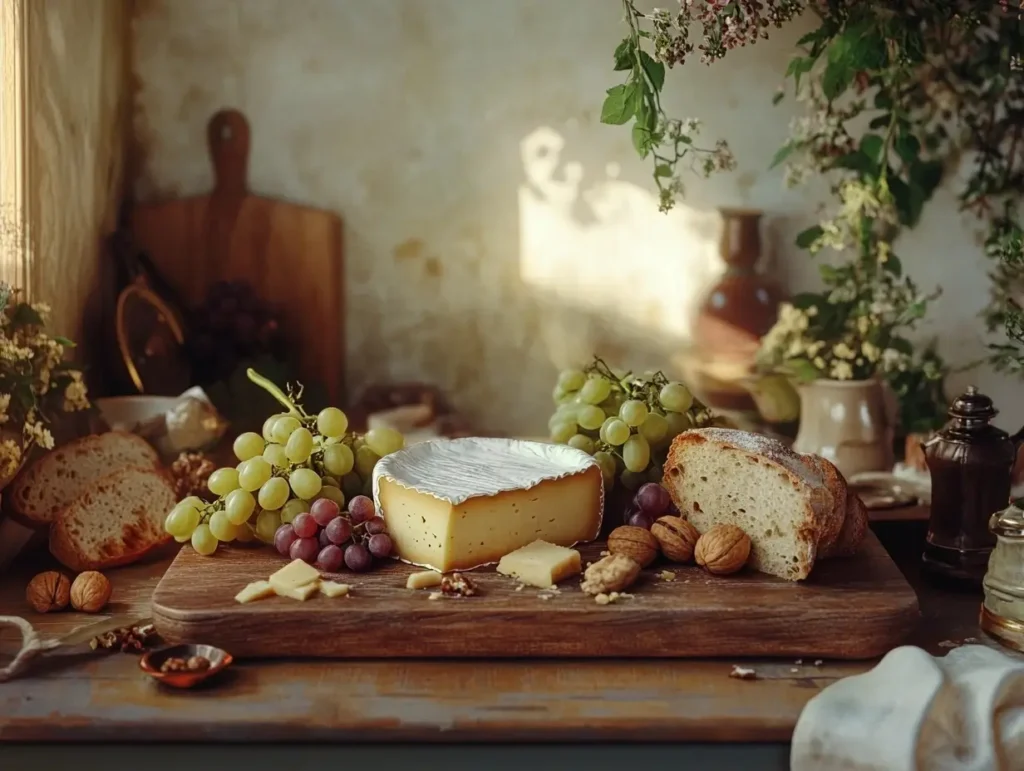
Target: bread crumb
435, 596
743, 673
799, 661
667, 575
817, 662
520, 587
948, 644
544, 596
605, 553
603, 599
794, 669
970, 640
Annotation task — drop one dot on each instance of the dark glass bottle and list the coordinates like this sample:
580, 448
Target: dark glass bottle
970, 462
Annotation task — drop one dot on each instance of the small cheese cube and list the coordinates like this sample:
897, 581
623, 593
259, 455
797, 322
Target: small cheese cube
423, 579
333, 589
257, 590
541, 564
293, 575
297, 592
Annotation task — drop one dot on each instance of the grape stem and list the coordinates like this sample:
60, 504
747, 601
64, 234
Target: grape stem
271, 388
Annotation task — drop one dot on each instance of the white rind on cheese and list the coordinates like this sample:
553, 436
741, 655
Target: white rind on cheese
458, 504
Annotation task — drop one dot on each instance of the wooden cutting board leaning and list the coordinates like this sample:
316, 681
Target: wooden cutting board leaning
292, 255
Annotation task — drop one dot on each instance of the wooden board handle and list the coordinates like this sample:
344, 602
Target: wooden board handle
228, 137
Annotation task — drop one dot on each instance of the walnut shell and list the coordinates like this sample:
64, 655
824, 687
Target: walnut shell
677, 538
610, 574
90, 592
722, 550
48, 591
637, 543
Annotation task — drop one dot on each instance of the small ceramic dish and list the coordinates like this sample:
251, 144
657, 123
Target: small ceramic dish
153, 661
884, 491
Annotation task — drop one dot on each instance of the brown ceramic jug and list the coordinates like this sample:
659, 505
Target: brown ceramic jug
735, 314
970, 462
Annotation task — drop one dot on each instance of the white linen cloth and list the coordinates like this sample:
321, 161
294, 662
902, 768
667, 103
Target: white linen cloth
916, 712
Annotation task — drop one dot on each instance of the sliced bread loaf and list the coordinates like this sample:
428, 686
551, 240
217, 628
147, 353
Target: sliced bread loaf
855, 529
721, 475
50, 484
831, 525
115, 520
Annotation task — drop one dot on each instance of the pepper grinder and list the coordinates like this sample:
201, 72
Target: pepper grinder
970, 462
1002, 613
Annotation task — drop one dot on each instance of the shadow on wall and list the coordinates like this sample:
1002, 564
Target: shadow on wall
611, 274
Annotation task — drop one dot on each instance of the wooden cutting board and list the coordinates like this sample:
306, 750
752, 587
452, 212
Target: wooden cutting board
854, 608
290, 254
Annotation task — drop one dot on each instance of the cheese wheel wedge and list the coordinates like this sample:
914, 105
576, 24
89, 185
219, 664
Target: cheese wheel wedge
459, 504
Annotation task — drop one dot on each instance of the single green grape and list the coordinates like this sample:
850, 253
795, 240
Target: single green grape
203, 541
559, 394
245, 533
305, 483
631, 480
366, 459
274, 493
248, 445
192, 500
293, 508
223, 481
183, 538
333, 494
571, 379
614, 431
595, 390
636, 454
675, 397
183, 519
351, 485
268, 427
338, 459
633, 412
299, 446
222, 528
582, 442
384, 441
677, 423
332, 422
613, 403
254, 473
329, 481
607, 463
275, 455
283, 428
239, 506
654, 428
562, 432
267, 523
590, 417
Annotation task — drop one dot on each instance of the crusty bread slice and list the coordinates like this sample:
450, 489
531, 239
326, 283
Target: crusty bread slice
855, 528
832, 524
115, 521
720, 475
50, 484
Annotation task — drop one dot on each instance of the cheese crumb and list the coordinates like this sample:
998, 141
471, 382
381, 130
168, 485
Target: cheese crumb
794, 669
544, 596
743, 673
799, 661
334, 589
667, 575
520, 587
435, 596
817, 662
602, 599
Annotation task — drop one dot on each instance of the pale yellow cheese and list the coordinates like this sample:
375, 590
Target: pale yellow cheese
293, 575
541, 564
303, 592
431, 532
333, 589
423, 579
257, 590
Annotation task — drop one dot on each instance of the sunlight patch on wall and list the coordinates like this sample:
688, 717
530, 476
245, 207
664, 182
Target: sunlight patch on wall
612, 274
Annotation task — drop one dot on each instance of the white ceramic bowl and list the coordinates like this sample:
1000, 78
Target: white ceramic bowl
127, 412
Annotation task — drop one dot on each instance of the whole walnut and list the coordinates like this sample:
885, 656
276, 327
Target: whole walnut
637, 543
722, 550
90, 592
48, 591
676, 537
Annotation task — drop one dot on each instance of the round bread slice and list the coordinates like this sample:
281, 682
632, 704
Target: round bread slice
41, 491
116, 520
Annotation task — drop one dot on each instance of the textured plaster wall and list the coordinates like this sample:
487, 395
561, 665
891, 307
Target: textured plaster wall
495, 230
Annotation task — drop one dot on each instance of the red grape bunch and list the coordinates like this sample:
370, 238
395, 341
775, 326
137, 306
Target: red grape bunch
329, 538
650, 502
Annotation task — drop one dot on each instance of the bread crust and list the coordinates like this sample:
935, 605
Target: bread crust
832, 523
820, 504
145, 537
855, 528
48, 464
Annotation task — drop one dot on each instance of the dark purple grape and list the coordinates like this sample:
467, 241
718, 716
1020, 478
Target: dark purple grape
338, 530
380, 545
304, 549
653, 499
322, 538
361, 509
330, 558
324, 510
304, 525
672, 509
358, 558
642, 519
375, 525
283, 539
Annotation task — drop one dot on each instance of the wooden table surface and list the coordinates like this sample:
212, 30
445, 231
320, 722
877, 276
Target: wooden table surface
79, 695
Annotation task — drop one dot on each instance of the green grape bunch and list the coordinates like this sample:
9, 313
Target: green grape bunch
627, 422
296, 460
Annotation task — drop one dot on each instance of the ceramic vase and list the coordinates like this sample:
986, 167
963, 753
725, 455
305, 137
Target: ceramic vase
849, 422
